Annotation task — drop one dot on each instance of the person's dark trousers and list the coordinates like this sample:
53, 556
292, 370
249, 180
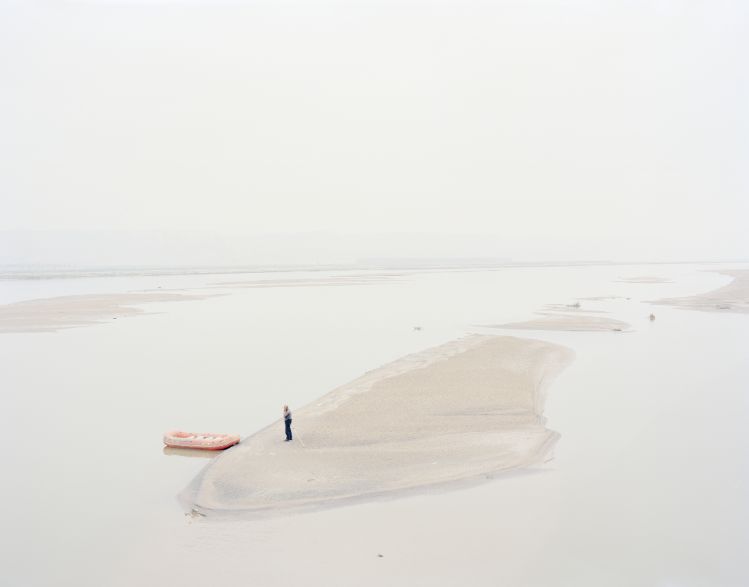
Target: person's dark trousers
288, 429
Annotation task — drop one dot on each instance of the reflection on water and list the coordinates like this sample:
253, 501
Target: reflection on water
173, 451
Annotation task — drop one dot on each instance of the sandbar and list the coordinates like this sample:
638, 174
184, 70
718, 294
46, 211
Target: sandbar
733, 297
567, 322
455, 413
53, 314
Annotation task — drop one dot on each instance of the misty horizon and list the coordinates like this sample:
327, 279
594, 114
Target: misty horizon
205, 249
249, 132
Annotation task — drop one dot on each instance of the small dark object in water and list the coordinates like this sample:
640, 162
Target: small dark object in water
652, 317
379, 555
417, 327
617, 329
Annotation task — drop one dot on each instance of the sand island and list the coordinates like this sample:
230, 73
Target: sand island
455, 413
733, 297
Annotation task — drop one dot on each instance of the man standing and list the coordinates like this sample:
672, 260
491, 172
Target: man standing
287, 422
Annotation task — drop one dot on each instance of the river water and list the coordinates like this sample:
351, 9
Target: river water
647, 487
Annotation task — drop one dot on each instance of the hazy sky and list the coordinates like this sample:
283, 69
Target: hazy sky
585, 129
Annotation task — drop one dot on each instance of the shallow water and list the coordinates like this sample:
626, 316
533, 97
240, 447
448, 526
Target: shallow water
646, 488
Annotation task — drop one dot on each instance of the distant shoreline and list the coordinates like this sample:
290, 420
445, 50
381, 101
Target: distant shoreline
32, 272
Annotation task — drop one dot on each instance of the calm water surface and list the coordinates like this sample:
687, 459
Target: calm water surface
647, 488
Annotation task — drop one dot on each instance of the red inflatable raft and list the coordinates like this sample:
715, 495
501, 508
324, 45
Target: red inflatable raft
201, 440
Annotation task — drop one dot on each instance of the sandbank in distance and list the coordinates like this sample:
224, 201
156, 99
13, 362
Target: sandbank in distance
567, 322
733, 297
53, 314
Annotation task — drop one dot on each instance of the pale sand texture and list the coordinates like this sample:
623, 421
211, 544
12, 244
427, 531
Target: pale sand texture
733, 297
52, 314
567, 322
459, 411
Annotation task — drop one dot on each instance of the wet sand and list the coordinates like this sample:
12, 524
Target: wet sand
457, 412
53, 314
569, 323
733, 297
